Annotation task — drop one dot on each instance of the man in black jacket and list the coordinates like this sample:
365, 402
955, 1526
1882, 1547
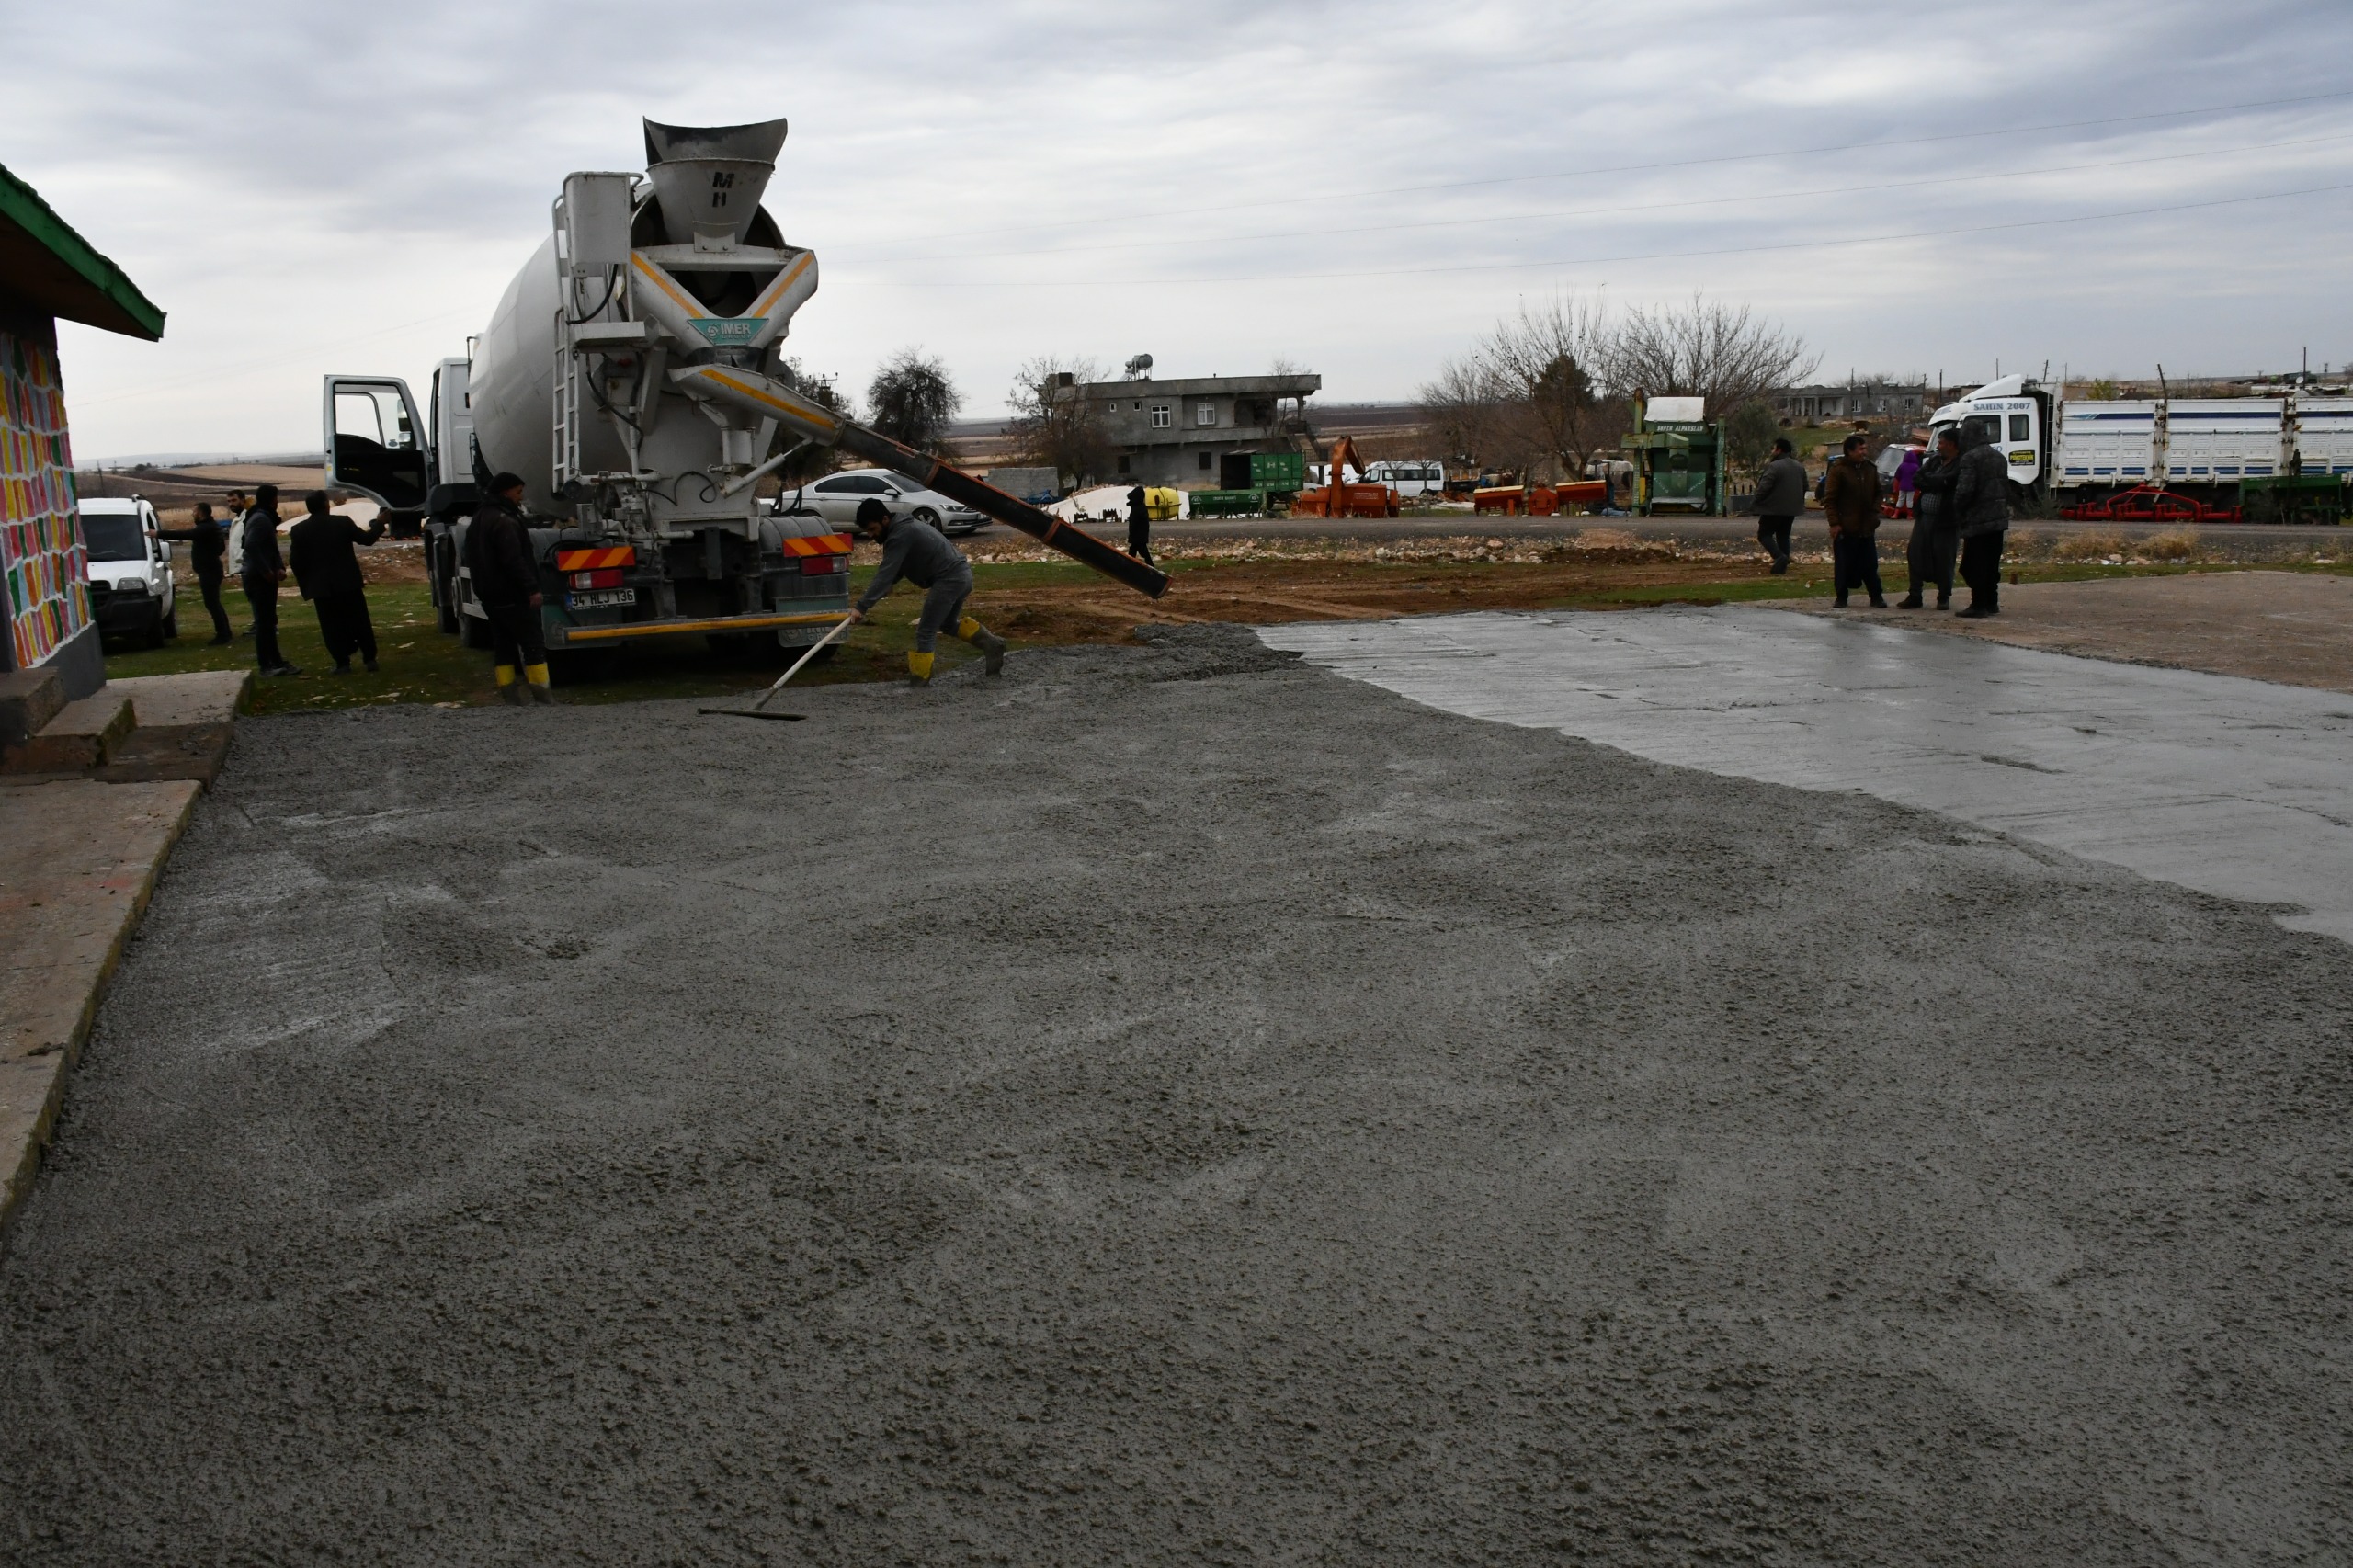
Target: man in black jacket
1928, 555
922, 555
320, 551
499, 558
1139, 524
265, 568
1980, 516
208, 551
1781, 496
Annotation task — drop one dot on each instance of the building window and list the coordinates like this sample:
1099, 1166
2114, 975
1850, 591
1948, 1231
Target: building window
1124, 465
1160, 417
1205, 462
1205, 414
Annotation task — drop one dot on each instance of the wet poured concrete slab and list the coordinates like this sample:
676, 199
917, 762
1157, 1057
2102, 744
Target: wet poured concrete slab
2238, 788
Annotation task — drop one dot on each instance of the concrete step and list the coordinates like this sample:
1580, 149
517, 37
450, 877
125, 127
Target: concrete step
28, 700
83, 734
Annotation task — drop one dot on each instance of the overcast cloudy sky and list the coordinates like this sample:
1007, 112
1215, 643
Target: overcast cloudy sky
1359, 189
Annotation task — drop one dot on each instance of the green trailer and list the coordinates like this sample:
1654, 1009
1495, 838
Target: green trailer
1678, 462
1235, 503
1279, 473
2293, 498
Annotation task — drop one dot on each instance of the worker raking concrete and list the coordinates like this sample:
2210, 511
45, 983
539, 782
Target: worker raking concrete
916, 551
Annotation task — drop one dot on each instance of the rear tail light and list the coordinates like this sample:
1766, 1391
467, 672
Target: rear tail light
609, 577
823, 565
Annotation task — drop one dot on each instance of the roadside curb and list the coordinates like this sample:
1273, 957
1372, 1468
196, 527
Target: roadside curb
78, 867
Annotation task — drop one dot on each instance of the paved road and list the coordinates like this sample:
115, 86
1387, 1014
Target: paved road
1173, 1105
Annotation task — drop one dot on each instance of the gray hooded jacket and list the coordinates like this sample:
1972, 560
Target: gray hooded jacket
921, 555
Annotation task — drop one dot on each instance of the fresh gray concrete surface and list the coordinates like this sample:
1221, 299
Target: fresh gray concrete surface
2238, 788
1171, 1106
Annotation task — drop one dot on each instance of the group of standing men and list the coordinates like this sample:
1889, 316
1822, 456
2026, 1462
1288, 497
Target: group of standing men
1960, 509
318, 554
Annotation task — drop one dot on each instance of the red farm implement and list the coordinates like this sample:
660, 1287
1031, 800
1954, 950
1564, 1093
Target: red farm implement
2149, 504
1539, 500
1339, 499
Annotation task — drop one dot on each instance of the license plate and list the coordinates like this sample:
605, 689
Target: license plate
605, 600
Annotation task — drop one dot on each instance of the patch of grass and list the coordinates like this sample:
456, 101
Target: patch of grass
421, 664
2093, 544
1797, 584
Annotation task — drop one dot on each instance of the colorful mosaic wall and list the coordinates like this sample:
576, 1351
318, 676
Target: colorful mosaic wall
40, 537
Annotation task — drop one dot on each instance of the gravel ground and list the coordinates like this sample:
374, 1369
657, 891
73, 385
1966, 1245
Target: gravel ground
1169, 1106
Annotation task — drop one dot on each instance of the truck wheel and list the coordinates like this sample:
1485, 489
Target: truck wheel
171, 628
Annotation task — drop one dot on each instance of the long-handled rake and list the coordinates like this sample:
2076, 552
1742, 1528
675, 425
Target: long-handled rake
754, 711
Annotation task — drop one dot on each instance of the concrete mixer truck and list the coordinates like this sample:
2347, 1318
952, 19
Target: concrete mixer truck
633, 374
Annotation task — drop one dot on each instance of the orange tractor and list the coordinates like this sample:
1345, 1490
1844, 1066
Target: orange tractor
1343, 500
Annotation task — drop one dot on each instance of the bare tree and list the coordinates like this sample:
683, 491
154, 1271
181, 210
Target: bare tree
1530, 395
1053, 425
1749, 432
911, 400
1468, 408
1708, 348
1549, 358
811, 460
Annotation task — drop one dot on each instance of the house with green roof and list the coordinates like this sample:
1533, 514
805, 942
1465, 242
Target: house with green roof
48, 274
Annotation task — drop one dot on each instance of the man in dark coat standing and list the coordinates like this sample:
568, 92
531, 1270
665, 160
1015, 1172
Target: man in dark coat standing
1781, 496
320, 551
1980, 515
1851, 501
1138, 526
1928, 555
264, 569
208, 554
499, 558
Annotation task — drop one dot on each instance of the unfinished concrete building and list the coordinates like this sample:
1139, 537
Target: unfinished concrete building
1173, 432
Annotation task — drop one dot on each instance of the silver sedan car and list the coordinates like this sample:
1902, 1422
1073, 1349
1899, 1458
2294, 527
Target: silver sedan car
835, 498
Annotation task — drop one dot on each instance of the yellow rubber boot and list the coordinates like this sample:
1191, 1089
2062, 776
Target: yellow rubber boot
918, 669
538, 676
505, 676
988, 641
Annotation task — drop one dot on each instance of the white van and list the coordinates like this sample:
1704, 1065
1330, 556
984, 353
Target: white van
1412, 476
128, 565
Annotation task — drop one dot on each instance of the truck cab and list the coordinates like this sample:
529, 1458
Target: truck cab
2015, 415
127, 566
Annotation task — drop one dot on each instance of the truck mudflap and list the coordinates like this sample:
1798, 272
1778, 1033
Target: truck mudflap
595, 636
